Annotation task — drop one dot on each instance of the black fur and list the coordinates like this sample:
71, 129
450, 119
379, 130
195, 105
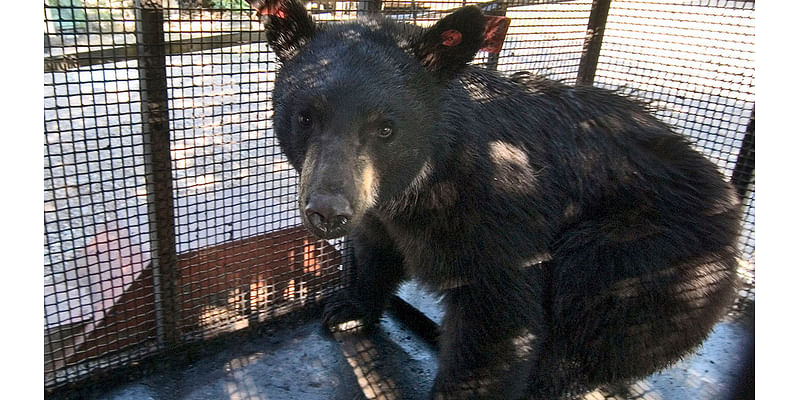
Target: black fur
575, 238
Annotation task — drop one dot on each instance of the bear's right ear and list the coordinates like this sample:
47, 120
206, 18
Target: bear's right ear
445, 48
289, 25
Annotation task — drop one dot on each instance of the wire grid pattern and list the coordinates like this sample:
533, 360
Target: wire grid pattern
235, 196
94, 181
233, 192
694, 62
241, 256
546, 39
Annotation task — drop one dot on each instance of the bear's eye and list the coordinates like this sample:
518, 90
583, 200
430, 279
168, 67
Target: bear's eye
385, 131
304, 120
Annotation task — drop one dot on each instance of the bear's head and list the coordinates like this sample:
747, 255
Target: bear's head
357, 105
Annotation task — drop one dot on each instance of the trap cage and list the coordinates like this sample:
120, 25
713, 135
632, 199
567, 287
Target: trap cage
170, 213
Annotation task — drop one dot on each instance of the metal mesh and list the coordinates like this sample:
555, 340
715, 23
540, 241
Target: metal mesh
694, 63
96, 232
546, 39
170, 214
116, 287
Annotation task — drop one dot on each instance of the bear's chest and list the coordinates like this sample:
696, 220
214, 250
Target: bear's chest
432, 255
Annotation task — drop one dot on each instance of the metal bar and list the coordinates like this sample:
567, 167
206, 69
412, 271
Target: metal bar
499, 10
593, 41
172, 48
158, 166
414, 319
68, 62
745, 161
370, 7
123, 53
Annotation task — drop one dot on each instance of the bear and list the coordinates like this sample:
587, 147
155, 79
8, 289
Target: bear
575, 239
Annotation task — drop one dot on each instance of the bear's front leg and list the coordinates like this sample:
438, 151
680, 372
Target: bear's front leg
489, 343
378, 271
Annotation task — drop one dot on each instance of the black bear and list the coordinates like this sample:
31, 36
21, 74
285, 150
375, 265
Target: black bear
576, 239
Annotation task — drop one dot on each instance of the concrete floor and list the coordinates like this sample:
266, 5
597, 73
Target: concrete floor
304, 362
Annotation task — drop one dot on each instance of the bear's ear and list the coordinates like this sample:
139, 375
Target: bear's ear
288, 23
445, 48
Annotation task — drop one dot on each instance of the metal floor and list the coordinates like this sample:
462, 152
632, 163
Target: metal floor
305, 362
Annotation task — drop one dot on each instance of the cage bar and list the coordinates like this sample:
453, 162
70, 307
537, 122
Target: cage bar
745, 161
594, 41
158, 162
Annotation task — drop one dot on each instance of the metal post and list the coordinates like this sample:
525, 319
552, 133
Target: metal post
158, 164
369, 7
499, 10
745, 161
593, 41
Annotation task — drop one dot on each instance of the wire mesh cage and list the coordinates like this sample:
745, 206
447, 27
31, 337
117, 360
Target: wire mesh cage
170, 213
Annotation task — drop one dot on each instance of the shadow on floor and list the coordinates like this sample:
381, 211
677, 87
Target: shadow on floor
305, 362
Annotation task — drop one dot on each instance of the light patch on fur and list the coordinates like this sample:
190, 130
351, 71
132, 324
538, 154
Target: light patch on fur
702, 281
536, 260
452, 284
523, 344
586, 125
512, 169
478, 92
351, 35
627, 288
410, 195
309, 162
571, 210
309, 73
370, 184
422, 175
729, 201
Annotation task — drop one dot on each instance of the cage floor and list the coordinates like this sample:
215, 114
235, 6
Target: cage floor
304, 362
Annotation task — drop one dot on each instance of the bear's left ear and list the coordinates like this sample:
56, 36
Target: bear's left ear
445, 48
288, 23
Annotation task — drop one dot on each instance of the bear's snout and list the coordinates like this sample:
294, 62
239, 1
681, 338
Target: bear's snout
328, 214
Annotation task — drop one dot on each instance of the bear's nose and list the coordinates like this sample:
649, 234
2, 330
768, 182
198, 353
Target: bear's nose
328, 212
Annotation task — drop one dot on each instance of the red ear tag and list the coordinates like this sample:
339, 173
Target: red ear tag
451, 37
273, 9
495, 33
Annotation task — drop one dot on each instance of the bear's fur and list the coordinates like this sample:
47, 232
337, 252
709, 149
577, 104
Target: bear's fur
575, 238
